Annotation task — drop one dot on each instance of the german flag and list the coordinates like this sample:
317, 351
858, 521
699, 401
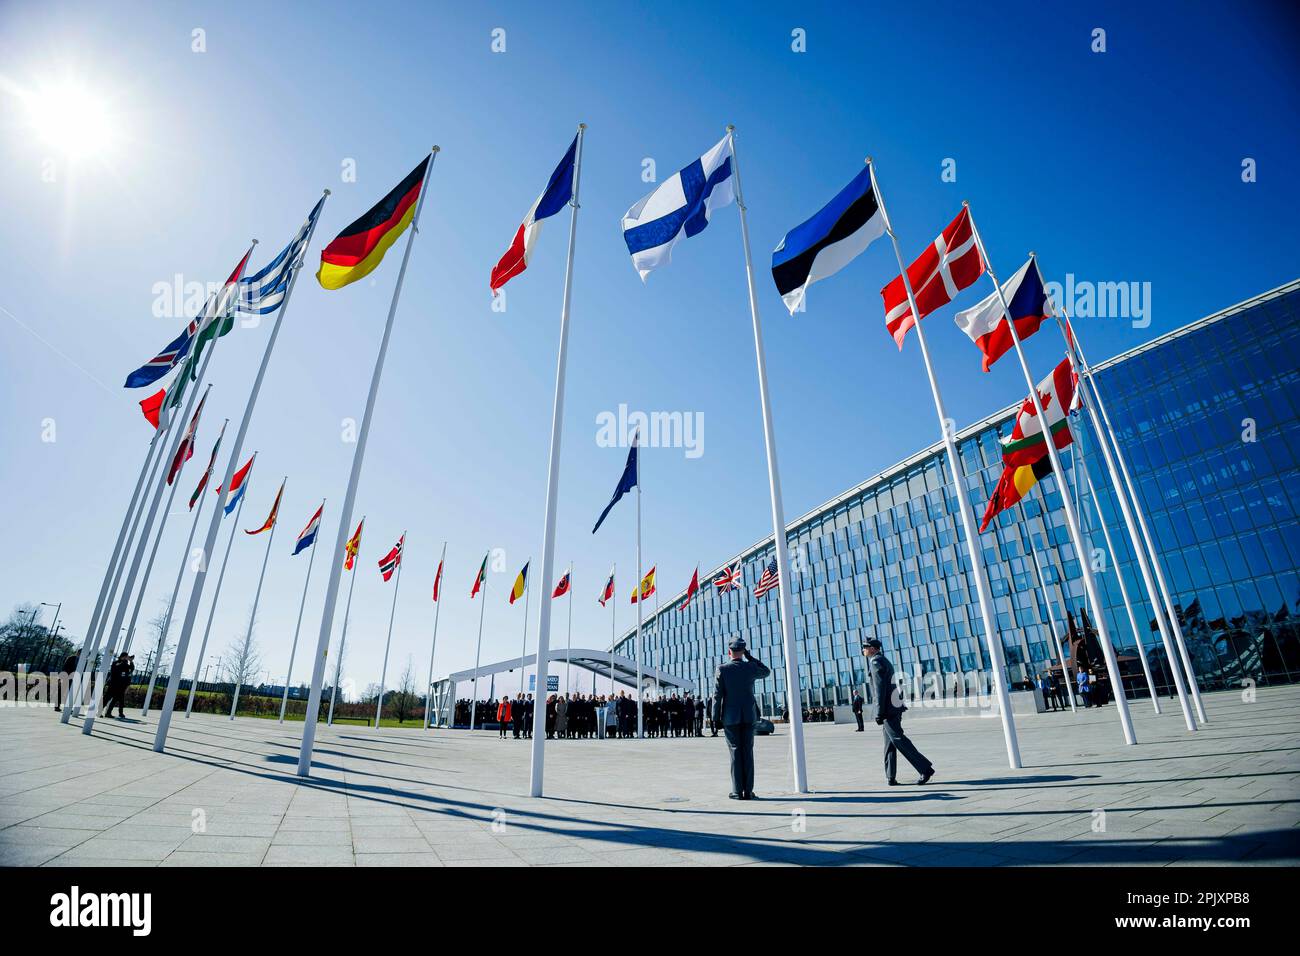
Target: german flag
358, 249
1014, 484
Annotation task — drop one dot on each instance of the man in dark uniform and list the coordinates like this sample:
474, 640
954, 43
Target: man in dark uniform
530, 706
857, 709
736, 709
887, 709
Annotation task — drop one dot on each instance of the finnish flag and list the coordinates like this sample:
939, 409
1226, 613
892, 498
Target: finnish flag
681, 204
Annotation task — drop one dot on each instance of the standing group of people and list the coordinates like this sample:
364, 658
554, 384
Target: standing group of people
1092, 690
516, 715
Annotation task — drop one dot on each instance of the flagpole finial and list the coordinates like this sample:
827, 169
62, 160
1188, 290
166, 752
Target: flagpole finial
731, 127
868, 160
254, 242
965, 203
1032, 254
582, 126
436, 149
327, 192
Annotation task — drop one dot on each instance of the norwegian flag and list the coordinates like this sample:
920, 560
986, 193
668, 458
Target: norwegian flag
389, 562
768, 581
562, 588
949, 264
728, 579
608, 593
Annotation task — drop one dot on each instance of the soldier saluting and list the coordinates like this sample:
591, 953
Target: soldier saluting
736, 709
887, 709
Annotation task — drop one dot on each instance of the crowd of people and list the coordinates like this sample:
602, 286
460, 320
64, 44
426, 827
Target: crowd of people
1092, 690
588, 716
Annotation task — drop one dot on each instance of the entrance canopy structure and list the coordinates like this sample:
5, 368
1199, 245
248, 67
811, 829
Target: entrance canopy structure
592, 659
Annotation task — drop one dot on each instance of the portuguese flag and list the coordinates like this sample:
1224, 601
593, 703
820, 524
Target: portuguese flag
358, 249
481, 578
1014, 484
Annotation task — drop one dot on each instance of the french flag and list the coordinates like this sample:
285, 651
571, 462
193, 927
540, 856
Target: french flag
308, 536
556, 196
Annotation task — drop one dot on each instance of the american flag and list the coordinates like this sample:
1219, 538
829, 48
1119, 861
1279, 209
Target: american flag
389, 562
768, 581
728, 579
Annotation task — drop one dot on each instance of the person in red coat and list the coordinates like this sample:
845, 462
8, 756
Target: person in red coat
503, 716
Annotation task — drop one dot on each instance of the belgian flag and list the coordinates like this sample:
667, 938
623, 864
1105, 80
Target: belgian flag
358, 249
1015, 484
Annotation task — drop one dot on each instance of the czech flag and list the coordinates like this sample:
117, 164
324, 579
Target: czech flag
558, 192
308, 536
358, 249
521, 585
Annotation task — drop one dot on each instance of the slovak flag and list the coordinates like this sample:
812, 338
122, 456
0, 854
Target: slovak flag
558, 192
562, 588
608, 593
308, 536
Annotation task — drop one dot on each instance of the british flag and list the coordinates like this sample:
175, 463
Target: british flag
728, 579
768, 581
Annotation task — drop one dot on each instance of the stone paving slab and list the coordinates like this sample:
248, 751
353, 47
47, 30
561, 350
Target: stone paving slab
226, 794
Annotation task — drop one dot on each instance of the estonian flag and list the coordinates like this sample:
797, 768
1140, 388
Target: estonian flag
830, 240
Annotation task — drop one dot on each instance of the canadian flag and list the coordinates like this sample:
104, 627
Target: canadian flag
949, 264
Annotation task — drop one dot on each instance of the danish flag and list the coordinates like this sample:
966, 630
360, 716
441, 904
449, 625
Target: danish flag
949, 264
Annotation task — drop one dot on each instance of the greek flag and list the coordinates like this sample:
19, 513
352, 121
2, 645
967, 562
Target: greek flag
682, 203
261, 294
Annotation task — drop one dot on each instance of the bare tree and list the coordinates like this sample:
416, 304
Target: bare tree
158, 647
403, 698
242, 661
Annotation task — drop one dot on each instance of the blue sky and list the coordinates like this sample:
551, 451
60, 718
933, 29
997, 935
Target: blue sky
1116, 166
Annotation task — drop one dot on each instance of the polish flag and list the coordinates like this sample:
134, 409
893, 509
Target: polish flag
949, 264
555, 197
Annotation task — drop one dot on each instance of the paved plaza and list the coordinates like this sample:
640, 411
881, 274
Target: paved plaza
227, 794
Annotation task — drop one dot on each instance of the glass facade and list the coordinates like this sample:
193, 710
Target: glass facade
1209, 421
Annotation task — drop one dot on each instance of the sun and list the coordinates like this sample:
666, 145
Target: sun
71, 118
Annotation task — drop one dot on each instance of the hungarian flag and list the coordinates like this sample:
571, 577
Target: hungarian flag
203, 482
269, 523
608, 593
389, 562
308, 536
437, 581
152, 405
481, 578
521, 585
562, 588
647, 586
186, 450
1014, 484
358, 249
985, 323
237, 485
1056, 393
558, 192
352, 547
691, 589
949, 264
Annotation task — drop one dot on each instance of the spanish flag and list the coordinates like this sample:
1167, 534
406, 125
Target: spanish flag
1014, 484
352, 547
275, 510
521, 585
358, 249
647, 586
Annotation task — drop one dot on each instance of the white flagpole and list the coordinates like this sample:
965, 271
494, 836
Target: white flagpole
1051, 618
973, 551
345, 516
537, 766
176, 590
640, 677
293, 650
478, 648
437, 613
524, 650
659, 651
216, 593
90, 644
343, 640
1071, 516
257, 597
383, 674
210, 540
115, 630
568, 647
779, 543
612, 632
1119, 576
1171, 632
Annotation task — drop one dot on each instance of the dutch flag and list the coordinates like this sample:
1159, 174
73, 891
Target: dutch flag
308, 536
